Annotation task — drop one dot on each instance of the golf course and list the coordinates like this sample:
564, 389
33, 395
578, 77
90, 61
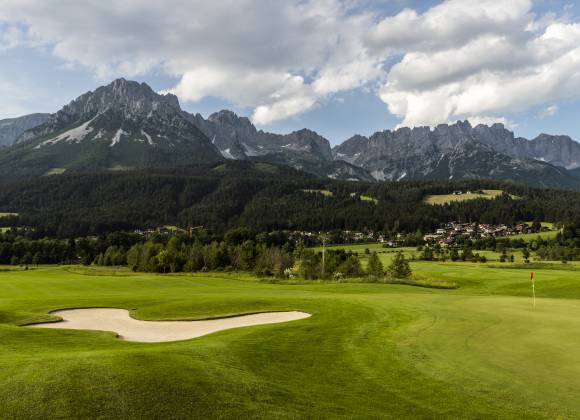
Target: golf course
367, 350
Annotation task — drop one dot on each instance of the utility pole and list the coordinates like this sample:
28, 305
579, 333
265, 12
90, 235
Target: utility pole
323, 253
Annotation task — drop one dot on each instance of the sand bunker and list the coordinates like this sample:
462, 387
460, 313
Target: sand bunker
130, 329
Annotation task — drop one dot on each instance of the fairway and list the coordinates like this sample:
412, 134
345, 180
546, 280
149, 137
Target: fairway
368, 350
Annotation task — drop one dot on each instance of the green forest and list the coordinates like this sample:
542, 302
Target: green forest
242, 194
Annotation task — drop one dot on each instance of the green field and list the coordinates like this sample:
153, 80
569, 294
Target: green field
368, 351
328, 193
55, 171
8, 214
325, 193
266, 168
531, 236
386, 254
449, 198
369, 199
120, 168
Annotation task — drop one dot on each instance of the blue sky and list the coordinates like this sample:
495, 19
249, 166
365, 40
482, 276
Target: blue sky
338, 67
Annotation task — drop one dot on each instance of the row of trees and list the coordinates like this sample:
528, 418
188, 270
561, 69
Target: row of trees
432, 253
18, 247
338, 264
178, 256
436, 253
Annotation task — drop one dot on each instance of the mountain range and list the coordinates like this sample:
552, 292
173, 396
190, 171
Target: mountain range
461, 151
126, 125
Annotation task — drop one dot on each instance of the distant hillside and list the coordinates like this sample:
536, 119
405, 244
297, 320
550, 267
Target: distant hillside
12, 128
262, 196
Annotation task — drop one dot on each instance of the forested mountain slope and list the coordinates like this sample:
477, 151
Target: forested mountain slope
262, 196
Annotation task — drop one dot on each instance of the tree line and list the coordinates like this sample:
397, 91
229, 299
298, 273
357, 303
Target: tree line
240, 249
178, 256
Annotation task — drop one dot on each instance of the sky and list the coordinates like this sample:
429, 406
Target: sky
339, 67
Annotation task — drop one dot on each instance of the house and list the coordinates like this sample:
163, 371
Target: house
392, 244
431, 238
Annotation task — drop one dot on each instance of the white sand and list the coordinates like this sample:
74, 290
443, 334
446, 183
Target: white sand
130, 329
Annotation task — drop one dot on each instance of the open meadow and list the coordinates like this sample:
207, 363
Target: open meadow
439, 199
367, 351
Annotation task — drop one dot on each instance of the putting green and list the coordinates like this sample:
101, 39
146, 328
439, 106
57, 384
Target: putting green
368, 351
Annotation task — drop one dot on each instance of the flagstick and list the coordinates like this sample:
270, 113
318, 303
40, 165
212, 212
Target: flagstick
532, 278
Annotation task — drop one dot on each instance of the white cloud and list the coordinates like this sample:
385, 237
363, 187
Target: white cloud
476, 120
504, 62
448, 25
279, 57
476, 59
548, 112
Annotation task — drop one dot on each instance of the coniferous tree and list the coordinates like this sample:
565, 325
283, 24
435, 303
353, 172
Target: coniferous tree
400, 268
375, 267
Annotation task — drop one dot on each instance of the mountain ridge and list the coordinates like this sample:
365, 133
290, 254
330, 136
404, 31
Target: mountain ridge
237, 138
126, 125
454, 152
123, 125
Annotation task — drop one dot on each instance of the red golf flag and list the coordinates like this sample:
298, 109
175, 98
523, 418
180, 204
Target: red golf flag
532, 276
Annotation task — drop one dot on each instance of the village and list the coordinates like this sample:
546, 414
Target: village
445, 236
450, 232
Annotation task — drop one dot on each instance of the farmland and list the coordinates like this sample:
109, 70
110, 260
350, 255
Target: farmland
386, 254
438, 199
551, 234
369, 350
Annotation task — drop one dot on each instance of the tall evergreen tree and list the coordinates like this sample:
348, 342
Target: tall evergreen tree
375, 267
400, 268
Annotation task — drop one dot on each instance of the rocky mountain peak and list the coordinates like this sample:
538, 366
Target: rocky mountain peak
123, 124
543, 137
113, 107
459, 151
230, 118
131, 96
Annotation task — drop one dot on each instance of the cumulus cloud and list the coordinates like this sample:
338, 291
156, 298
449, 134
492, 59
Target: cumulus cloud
499, 59
449, 24
476, 120
476, 59
281, 58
